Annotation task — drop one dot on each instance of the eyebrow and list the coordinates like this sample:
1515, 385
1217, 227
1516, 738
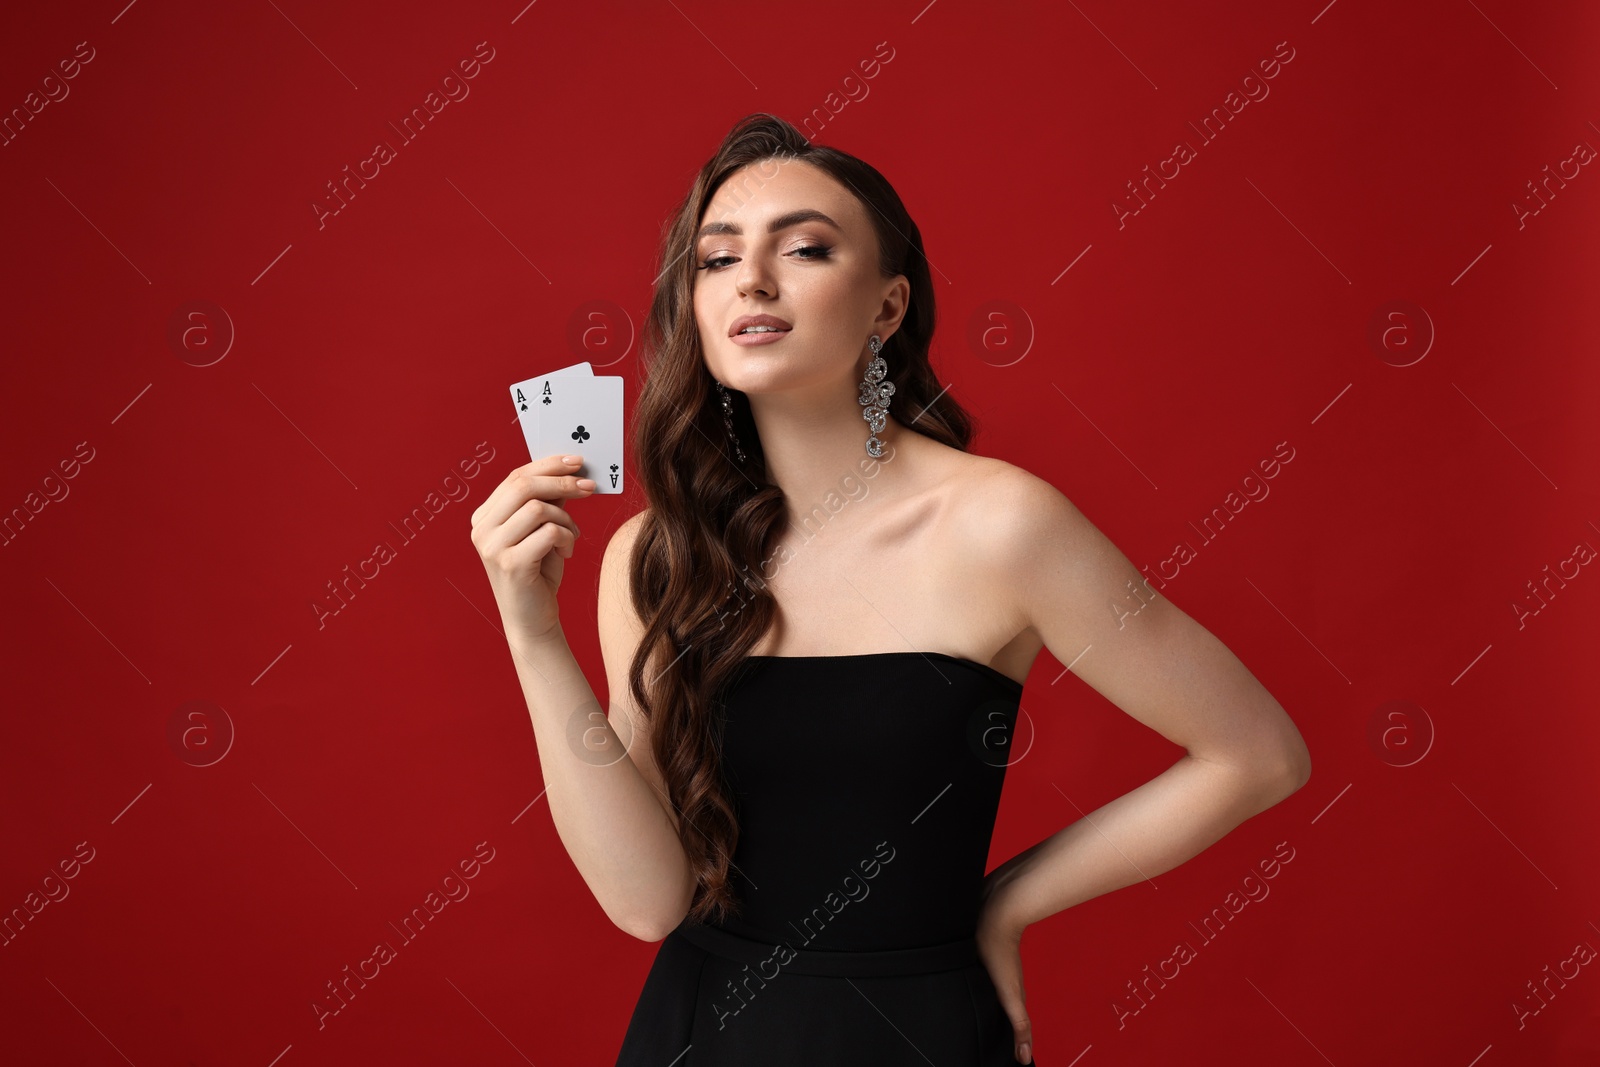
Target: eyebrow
782, 222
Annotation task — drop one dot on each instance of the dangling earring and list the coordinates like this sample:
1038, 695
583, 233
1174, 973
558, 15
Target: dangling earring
727, 420
875, 394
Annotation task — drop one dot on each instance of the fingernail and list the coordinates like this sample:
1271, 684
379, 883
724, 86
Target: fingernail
1027, 1056
572, 459
585, 483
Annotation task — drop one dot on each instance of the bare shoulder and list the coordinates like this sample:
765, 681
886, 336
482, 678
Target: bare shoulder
1030, 537
628, 532
1014, 508
618, 558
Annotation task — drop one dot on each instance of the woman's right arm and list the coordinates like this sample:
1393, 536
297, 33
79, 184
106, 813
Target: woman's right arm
605, 792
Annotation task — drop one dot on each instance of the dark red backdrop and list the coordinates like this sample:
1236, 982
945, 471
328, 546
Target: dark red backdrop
219, 395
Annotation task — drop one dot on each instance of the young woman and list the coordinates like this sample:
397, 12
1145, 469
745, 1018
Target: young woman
815, 639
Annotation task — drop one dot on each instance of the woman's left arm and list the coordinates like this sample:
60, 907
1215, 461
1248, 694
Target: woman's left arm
1096, 612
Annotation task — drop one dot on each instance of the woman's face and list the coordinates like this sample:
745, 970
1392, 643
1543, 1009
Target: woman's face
783, 238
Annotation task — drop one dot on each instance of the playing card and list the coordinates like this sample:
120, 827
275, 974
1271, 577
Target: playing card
523, 395
582, 414
522, 391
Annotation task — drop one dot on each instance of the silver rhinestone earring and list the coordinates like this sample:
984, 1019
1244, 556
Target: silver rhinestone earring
875, 394
727, 420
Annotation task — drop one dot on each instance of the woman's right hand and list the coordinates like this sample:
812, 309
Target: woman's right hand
524, 536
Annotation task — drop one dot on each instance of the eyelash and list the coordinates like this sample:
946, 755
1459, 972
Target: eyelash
822, 253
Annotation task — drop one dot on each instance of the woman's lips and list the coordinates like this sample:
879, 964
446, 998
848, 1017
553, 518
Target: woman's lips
762, 338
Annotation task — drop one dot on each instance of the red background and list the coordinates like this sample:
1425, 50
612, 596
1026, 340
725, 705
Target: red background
350, 367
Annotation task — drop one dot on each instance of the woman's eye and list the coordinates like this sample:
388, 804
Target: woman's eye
819, 252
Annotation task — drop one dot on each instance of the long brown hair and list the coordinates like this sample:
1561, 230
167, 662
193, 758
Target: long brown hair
711, 521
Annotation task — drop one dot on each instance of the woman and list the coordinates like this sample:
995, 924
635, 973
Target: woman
815, 640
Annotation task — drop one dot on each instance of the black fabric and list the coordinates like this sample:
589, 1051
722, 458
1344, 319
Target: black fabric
866, 788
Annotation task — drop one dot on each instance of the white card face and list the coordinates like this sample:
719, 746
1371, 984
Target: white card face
521, 392
582, 415
523, 395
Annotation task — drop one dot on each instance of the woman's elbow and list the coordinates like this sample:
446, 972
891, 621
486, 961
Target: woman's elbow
656, 926
644, 928
1273, 768
1295, 768
1273, 775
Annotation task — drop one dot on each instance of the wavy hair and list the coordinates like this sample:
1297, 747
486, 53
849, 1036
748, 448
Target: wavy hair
710, 521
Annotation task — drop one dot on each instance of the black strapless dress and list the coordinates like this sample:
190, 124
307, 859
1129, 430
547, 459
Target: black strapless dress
866, 788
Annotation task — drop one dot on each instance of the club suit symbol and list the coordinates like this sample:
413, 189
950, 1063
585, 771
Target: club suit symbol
580, 435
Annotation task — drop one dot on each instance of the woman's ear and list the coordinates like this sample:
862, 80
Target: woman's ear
896, 300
